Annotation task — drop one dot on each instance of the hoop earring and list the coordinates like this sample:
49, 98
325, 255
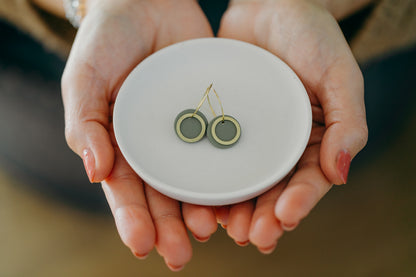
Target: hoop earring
191, 125
224, 130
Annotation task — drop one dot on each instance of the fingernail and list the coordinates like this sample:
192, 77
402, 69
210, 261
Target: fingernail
175, 267
222, 214
289, 227
89, 163
343, 165
242, 243
224, 226
267, 250
140, 256
201, 239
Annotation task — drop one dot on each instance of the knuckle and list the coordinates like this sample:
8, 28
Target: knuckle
166, 217
361, 135
84, 74
66, 79
70, 136
128, 214
121, 176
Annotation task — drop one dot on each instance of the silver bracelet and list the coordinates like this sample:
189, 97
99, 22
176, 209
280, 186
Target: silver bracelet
74, 11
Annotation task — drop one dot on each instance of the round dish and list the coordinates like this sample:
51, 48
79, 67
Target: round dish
256, 88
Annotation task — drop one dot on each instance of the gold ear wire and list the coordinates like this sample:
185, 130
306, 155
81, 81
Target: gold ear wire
206, 96
226, 136
202, 100
219, 101
210, 106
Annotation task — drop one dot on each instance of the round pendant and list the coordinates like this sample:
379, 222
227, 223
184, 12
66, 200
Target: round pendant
190, 126
224, 132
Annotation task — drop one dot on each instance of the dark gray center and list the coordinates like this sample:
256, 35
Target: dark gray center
191, 127
226, 130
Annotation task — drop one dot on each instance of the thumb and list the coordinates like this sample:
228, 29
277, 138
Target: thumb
342, 100
97, 65
87, 114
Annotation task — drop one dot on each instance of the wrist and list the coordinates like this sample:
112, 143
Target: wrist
341, 9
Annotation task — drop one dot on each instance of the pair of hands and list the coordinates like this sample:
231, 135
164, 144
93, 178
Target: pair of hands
115, 36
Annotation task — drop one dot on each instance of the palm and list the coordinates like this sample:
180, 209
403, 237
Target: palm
121, 38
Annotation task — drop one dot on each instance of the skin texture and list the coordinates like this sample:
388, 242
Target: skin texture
307, 37
112, 41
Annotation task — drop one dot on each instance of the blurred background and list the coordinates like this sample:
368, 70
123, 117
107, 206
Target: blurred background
53, 223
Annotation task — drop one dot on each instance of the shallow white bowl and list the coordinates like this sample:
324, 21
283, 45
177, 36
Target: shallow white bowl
255, 87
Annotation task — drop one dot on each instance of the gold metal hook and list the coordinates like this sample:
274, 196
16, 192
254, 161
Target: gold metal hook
210, 106
206, 96
202, 100
219, 101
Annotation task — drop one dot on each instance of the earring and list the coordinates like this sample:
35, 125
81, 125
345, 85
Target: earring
224, 130
191, 125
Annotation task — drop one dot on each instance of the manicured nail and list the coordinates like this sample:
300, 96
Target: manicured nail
224, 226
222, 214
140, 256
267, 250
289, 227
175, 267
201, 239
243, 243
343, 165
89, 163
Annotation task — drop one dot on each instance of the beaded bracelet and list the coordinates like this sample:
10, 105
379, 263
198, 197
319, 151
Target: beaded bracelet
74, 11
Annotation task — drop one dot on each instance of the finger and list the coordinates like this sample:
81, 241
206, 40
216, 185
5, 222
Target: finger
172, 239
239, 222
222, 215
125, 195
342, 99
238, 22
265, 229
186, 21
87, 124
94, 71
306, 187
316, 135
200, 220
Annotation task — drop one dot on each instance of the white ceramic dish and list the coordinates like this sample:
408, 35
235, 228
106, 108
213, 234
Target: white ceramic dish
255, 87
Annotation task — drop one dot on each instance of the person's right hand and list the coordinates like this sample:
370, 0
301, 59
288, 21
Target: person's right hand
114, 37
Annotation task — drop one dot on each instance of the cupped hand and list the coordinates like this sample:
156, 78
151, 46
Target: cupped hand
307, 37
114, 37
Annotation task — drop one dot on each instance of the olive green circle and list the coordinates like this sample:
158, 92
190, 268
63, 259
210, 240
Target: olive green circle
190, 126
226, 130
224, 134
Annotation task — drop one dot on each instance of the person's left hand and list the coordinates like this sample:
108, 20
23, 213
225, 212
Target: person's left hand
307, 37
